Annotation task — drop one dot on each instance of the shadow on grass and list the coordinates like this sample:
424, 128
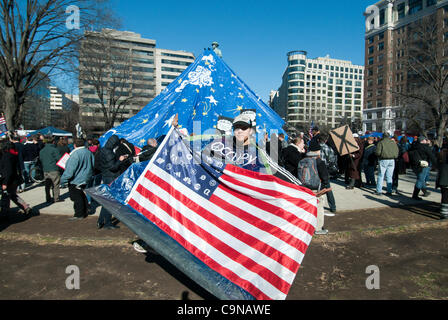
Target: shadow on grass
154, 257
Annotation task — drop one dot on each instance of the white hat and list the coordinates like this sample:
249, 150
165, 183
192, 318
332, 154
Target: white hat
242, 119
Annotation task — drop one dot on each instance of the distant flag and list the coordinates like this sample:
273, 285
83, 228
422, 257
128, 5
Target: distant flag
3, 127
251, 228
311, 129
78, 130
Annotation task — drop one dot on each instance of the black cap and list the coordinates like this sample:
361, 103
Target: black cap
315, 128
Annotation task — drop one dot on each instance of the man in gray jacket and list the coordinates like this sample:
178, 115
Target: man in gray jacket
387, 152
78, 172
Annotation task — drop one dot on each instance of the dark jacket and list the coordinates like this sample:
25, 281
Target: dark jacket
30, 151
423, 152
354, 162
109, 163
369, 157
291, 157
49, 156
442, 177
9, 168
125, 148
146, 153
63, 149
19, 149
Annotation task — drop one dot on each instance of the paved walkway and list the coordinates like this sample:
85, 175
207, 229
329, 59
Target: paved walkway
355, 199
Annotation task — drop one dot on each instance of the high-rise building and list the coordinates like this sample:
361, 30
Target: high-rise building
36, 109
322, 91
387, 32
60, 105
135, 73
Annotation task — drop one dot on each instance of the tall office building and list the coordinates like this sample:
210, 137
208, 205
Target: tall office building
36, 109
323, 91
138, 71
60, 105
387, 31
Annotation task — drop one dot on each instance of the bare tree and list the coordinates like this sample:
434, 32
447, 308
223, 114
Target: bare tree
37, 38
107, 68
425, 98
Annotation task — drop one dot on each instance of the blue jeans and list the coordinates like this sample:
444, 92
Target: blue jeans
26, 171
95, 181
421, 177
385, 170
429, 173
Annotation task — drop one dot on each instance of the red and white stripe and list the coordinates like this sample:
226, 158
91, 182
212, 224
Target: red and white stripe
254, 230
2, 120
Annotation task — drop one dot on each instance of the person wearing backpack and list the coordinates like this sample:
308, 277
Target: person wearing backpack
313, 174
421, 156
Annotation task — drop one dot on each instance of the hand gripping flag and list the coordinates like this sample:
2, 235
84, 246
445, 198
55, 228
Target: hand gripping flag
251, 228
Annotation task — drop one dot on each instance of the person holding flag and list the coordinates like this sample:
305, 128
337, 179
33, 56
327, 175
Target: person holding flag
310, 131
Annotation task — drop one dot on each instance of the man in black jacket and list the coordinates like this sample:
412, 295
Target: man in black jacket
30, 154
421, 157
147, 151
110, 169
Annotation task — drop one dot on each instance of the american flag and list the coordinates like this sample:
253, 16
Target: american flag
310, 132
251, 228
3, 127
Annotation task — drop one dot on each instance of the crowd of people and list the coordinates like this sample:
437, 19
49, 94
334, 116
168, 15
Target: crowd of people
389, 156
313, 160
88, 165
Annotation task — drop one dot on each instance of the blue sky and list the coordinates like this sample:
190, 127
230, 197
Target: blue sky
254, 36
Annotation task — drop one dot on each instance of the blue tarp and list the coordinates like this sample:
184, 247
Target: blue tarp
207, 90
51, 131
380, 135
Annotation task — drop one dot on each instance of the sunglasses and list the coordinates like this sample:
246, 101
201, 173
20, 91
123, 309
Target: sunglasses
242, 127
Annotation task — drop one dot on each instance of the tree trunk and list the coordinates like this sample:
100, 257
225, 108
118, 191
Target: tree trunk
12, 108
441, 131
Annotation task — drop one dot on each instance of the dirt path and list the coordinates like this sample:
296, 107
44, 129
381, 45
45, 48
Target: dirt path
408, 245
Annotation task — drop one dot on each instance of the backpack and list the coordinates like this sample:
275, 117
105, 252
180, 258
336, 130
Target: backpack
307, 173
